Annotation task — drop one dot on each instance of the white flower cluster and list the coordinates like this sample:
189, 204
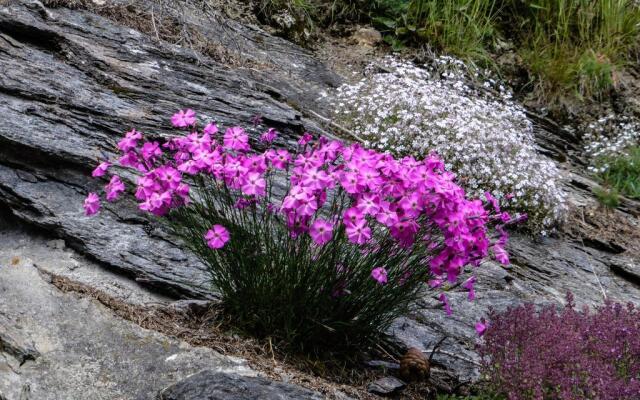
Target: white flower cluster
608, 137
487, 140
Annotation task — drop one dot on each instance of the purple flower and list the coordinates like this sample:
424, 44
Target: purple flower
531, 352
101, 169
114, 188
481, 327
379, 275
321, 231
183, 118
157, 203
91, 204
279, 158
256, 120
434, 283
217, 237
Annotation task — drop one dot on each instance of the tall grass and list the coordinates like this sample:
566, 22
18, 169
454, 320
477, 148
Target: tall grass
574, 46
459, 27
623, 173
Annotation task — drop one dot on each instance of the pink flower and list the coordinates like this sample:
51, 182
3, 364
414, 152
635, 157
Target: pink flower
157, 203
434, 283
351, 182
505, 217
306, 138
91, 204
359, 232
410, 205
151, 150
500, 254
386, 216
217, 236
183, 118
114, 188
445, 302
236, 139
130, 159
481, 327
101, 169
210, 129
169, 176
269, 135
379, 275
468, 284
130, 141
493, 201
280, 159
369, 204
352, 216
321, 231
254, 185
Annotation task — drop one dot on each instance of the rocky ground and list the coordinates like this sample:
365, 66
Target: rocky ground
72, 80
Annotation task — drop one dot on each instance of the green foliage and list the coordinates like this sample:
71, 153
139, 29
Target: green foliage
609, 198
459, 27
295, 19
574, 46
292, 290
623, 172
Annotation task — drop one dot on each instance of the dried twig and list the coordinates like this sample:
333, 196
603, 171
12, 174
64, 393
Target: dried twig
335, 125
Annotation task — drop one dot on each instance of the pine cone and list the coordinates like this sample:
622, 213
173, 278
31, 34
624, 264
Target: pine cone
414, 366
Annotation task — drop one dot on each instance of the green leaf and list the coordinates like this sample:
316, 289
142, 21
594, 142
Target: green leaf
387, 22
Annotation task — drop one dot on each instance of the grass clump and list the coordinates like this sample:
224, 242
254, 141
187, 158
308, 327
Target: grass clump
608, 198
574, 45
458, 27
572, 48
623, 172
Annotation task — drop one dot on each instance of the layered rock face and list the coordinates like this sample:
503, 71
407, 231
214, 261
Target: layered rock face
72, 81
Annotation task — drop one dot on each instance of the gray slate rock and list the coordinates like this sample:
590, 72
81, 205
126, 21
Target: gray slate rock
212, 385
387, 386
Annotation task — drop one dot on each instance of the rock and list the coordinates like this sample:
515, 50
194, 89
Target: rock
414, 366
63, 346
101, 88
367, 37
57, 244
13, 344
214, 385
386, 386
383, 364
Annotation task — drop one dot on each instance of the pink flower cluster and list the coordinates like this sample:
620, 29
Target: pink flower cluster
415, 202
